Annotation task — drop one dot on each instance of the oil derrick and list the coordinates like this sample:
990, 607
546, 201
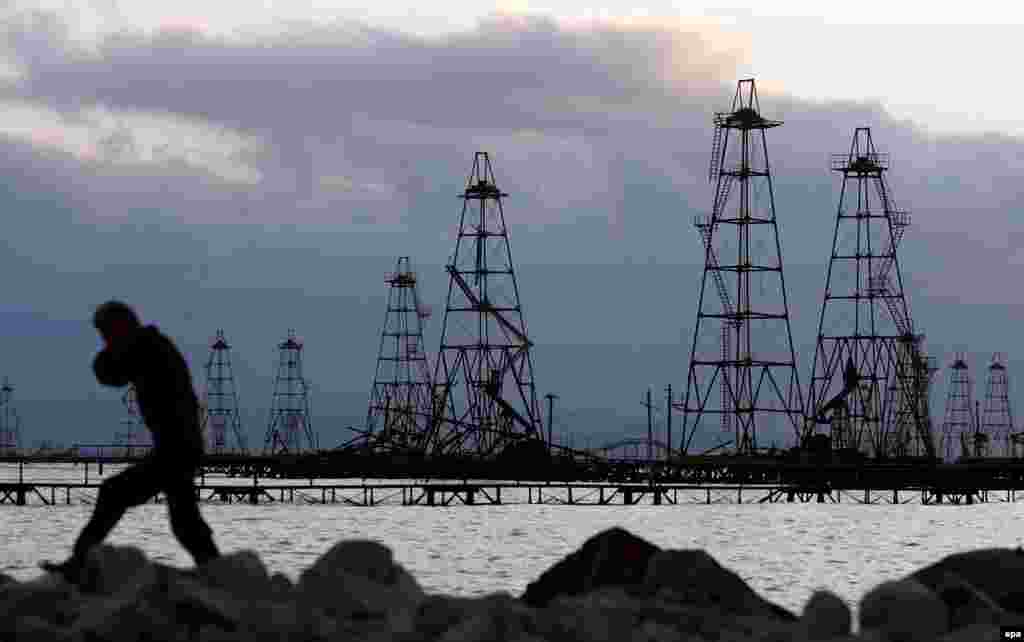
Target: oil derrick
133, 429
289, 430
960, 434
997, 418
742, 374
10, 422
870, 381
485, 399
222, 424
400, 401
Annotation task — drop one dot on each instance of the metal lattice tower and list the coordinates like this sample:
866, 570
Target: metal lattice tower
289, 429
997, 417
133, 430
485, 398
959, 430
400, 401
220, 402
10, 422
870, 382
742, 374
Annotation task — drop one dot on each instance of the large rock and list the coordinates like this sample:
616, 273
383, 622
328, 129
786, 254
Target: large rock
121, 617
495, 617
242, 574
694, 577
359, 579
994, 572
966, 604
116, 570
614, 557
904, 611
48, 598
826, 616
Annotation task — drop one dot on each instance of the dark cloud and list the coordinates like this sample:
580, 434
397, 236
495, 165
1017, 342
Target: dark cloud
362, 139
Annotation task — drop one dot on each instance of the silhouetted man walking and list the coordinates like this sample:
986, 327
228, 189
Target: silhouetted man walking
143, 356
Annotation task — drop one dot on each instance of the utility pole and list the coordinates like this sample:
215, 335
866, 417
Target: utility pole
650, 423
668, 420
551, 398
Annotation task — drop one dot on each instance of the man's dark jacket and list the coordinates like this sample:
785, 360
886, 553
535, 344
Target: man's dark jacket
163, 388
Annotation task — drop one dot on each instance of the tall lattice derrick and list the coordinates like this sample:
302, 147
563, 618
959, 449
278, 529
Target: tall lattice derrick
485, 399
997, 416
401, 399
289, 428
870, 379
132, 433
10, 422
742, 376
959, 429
222, 423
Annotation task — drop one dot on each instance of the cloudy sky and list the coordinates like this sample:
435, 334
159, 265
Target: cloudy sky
260, 166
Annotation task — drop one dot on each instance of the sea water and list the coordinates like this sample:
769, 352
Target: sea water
783, 551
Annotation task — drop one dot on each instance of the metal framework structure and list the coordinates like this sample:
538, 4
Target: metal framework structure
133, 430
485, 399
742, 373
10, 421
870, 379
961, 436
289, 429
220, 402
400, 401
997, 416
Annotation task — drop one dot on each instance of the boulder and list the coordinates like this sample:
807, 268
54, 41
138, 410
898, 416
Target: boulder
494, 617
48, 598
826, 616
121, 617
438, 613
694, 577
111, 570
32, 628
242, 574
614, 557
359, 579
993, 572
973, 633
904, 611
966, 604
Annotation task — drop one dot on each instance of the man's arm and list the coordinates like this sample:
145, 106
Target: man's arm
112, 367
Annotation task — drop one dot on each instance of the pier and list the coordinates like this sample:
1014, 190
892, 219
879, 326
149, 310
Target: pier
695, 480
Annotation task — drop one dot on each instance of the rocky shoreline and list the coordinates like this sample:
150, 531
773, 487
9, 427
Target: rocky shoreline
615, 587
